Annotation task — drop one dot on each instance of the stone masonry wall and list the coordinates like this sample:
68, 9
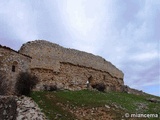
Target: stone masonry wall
69, 68
48, 55
74, 77
11, 63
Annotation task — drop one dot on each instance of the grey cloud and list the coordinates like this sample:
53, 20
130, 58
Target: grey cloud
124, 32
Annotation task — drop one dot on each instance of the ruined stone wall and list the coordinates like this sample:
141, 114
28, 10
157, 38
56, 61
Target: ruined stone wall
73, 77
11, 63
69, 68
48, 55
55, 65
76, 77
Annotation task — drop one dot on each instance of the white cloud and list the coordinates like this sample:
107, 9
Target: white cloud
143, 57
88, 22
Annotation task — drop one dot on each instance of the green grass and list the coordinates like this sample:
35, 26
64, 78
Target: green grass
49, 102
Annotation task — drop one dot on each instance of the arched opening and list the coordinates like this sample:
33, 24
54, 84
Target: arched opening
90, 79
14, 66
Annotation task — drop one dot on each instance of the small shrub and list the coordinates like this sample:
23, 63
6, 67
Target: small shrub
50, 87
99, 86
53, 87
25, 83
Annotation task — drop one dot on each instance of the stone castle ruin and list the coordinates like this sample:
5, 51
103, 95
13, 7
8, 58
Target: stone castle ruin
55, 65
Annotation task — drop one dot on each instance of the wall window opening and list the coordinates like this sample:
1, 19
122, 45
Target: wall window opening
13, 68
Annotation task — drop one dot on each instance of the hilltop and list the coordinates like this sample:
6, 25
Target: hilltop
95, 105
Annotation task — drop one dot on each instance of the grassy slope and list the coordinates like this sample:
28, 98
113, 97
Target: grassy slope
53, 103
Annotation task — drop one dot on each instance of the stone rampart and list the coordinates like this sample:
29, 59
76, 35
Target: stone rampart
62, 67
69, 68
74, 77
49, 55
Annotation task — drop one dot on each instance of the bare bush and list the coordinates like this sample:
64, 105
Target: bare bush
99, 86
50, 87
25, 83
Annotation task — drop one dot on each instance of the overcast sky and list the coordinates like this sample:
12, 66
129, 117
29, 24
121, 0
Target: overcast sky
125, 32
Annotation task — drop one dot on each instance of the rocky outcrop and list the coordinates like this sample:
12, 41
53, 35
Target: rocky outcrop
19, 108
27, 109
129, 90
154, 100
8, 108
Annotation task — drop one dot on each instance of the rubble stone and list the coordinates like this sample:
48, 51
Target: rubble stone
27, 109
7, 108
